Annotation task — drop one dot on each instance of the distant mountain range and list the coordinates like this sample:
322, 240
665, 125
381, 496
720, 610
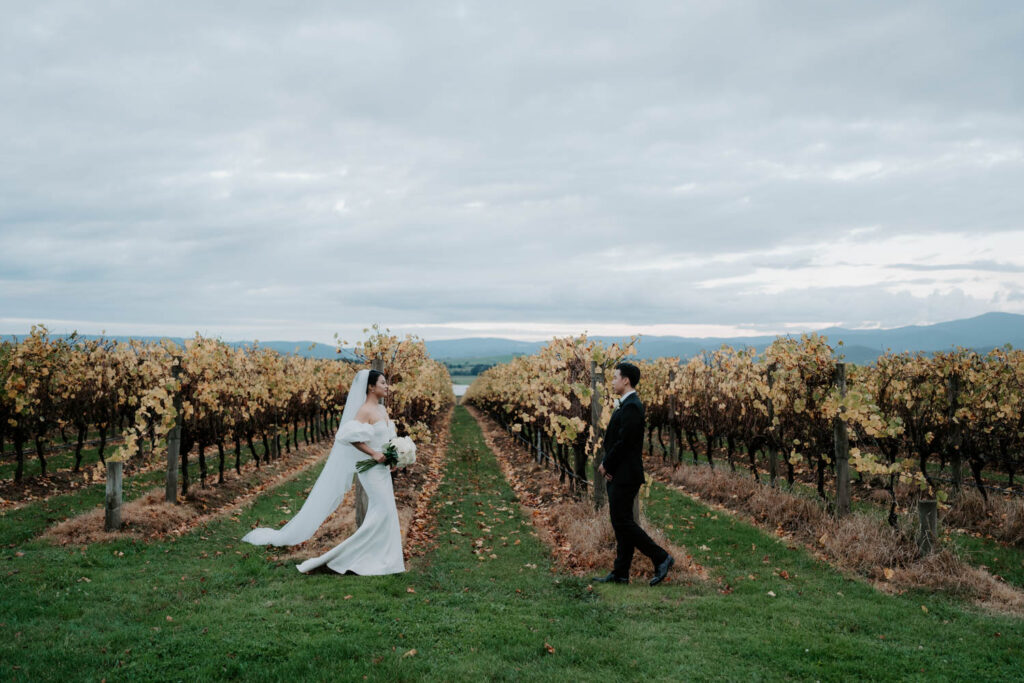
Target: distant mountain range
981, 333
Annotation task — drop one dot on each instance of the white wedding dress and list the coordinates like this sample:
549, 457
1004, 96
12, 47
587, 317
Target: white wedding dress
376, 546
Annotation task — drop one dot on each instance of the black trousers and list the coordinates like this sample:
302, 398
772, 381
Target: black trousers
628, 534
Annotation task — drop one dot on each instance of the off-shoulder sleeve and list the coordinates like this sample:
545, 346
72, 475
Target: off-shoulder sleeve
354, 431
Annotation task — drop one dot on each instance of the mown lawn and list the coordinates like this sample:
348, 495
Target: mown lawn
484, 603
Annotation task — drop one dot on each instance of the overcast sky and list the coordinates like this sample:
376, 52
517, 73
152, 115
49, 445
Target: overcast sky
521, 169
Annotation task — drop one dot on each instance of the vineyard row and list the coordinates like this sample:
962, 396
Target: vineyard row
217, 395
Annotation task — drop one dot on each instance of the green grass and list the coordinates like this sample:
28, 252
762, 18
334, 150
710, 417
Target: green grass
55, 460
463, 379
240, 615
999, 558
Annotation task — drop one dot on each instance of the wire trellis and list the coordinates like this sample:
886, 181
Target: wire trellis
872, 442
70, 446
547, 459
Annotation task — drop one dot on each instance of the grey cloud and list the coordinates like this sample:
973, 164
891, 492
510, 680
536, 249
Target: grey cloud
989, 266
433, 162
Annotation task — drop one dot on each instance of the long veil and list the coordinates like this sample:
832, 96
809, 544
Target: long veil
330, 487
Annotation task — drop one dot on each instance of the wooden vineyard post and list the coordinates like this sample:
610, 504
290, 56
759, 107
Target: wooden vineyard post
773, 454
362, 501
955, 436
112, 508
928, 536
600, 492
174, 443
673, 456
842, 449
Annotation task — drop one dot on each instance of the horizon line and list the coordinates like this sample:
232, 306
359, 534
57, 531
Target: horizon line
520, 332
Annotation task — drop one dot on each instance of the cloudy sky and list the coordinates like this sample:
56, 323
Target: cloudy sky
280, 170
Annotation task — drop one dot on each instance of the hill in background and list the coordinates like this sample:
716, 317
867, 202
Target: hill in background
470, 356
981, 333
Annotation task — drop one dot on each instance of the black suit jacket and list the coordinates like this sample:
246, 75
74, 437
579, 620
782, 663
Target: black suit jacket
624, 443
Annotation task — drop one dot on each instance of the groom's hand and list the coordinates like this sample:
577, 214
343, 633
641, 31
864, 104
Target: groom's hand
603, 473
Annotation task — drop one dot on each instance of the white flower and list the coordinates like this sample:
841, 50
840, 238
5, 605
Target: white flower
405, 449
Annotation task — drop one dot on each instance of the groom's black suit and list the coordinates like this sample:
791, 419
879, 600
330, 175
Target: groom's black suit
623, 449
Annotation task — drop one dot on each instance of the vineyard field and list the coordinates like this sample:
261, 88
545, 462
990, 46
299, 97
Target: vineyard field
239, 614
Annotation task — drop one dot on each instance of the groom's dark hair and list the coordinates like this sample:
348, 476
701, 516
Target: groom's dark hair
371, 379
630, 372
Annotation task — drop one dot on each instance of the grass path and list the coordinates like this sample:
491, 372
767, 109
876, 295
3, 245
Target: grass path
484, 603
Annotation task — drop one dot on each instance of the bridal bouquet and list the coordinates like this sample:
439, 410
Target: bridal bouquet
399, 452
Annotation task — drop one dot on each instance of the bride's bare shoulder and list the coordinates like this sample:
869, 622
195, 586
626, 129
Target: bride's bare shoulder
367, 414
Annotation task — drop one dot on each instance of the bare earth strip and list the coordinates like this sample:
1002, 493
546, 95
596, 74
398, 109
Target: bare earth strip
581, 538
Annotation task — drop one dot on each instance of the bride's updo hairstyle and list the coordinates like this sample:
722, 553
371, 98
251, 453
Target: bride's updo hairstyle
371, 379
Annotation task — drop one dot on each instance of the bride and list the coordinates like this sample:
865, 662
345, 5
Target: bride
376, 546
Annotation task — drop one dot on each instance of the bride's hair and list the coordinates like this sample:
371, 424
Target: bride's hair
371, 379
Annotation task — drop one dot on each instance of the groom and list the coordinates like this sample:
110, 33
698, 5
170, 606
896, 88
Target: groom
624, 470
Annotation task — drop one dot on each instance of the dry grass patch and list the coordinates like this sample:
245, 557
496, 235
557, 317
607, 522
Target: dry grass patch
147, 517
1001, 518
588, 533
864, 545
944, 571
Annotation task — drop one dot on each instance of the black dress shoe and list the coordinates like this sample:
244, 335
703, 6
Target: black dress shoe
611, 578
662, 570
